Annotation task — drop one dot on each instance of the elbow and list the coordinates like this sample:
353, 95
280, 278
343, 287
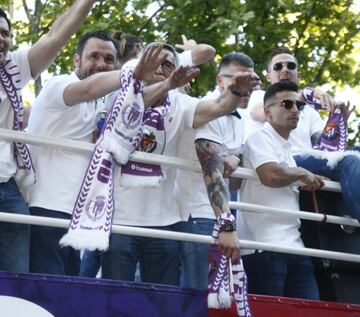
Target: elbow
205, 54
268, 179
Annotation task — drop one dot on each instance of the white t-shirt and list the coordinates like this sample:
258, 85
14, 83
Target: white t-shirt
59, 173
190, 190
7, 162
147, 206
265, 146
309, 123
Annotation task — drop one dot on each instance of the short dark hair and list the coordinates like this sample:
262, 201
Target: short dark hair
236, 58
127, 44
284, 85
278, 51
169, 48
100, 34
4, 15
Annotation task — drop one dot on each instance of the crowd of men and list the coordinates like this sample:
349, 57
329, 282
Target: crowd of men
237, 124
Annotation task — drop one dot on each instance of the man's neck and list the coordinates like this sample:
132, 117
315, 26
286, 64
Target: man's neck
283, 132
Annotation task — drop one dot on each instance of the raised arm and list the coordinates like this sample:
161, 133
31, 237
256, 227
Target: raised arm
209, 154
228, 101
103, 83
200, 53
44, 51
155, 93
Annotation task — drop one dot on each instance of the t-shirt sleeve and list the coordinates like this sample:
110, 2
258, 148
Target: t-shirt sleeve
259, 150
210, 131
22, 61
54, 92
185, 59
188, 104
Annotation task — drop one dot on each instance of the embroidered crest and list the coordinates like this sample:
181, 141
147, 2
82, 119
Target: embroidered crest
96, 208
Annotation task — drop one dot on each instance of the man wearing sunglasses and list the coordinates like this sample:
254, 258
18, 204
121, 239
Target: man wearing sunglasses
267, 151
282, 65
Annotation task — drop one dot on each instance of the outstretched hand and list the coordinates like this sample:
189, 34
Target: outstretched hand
182, 76
149, 62
245, 83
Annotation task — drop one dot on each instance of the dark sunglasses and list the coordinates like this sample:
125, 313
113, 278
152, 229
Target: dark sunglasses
288, 104
289, 66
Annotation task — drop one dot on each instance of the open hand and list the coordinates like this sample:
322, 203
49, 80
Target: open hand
245, 83
187, 45
149, 62
182, 76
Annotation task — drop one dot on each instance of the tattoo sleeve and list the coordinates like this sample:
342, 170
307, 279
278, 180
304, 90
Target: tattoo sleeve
209, 155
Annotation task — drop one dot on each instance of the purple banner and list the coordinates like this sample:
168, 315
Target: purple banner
87, 297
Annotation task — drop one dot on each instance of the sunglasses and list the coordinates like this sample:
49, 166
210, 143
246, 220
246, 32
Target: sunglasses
289, 66
288, 104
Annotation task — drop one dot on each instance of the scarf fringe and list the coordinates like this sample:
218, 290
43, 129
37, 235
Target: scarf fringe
82, 241
333, 158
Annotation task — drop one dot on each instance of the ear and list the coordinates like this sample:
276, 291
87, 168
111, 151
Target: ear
220, 82
267, 76
298, 75
267, 112
76, 60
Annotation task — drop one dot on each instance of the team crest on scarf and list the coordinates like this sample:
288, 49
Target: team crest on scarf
96, 208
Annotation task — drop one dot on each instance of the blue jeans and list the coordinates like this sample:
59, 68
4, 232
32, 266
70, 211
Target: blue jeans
278, 274
46, 255
90, 263
346, 172
14, 238
159, 258
195, 256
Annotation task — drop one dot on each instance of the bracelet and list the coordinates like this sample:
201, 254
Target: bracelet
225, 218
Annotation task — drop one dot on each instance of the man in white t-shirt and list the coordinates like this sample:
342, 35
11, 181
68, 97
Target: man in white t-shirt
67, 107
190, 191
268, 152
155, 207
25, 64
283, 65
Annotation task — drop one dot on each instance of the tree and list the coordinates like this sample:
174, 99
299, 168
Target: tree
322, 34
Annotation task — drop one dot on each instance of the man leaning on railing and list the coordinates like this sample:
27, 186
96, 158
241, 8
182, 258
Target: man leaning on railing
17, 68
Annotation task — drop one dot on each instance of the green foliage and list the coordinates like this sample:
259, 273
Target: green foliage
323, 34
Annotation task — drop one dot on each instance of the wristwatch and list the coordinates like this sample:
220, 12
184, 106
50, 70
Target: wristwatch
228, 227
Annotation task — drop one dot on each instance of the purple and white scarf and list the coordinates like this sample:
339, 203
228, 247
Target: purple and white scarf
10, 78
334, 136
135, 174
226, 279
90, 226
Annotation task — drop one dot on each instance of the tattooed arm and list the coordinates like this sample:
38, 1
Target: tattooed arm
209, 154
